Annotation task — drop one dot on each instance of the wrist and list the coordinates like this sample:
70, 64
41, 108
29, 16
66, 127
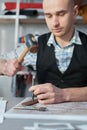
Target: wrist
66, 95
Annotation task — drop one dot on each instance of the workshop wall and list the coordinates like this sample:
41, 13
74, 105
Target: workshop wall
7, 44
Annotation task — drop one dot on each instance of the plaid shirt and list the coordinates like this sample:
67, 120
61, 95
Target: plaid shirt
63, 55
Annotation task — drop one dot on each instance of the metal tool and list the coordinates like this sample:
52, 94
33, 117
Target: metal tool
31, 108
33, 82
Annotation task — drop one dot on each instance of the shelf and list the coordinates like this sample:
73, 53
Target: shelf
26, 20
80, 20
22, 19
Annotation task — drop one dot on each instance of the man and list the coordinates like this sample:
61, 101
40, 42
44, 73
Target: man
61, 61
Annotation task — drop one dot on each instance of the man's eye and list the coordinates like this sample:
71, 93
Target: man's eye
48, 16
61, 13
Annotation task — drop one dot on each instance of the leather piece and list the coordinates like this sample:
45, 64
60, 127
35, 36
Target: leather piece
29, 103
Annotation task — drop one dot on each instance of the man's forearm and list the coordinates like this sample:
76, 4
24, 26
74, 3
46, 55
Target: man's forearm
75, 94
2, 63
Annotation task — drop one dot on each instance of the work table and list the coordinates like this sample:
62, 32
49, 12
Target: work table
18, 124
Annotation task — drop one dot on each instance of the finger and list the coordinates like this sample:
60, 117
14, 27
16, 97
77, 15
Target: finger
43, 96
41, 87
46, 96
46, 101
40, 91
15, 63
35, 87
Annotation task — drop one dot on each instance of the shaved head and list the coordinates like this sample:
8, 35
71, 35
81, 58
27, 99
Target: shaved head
71, 2
74, 2
60, 16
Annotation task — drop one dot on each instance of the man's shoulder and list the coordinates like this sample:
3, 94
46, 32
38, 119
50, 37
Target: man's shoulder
81, 34
83, 37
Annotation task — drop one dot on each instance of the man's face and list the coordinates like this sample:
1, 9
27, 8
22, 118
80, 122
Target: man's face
60, 16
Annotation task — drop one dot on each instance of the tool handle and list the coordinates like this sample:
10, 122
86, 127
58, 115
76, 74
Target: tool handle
20, 59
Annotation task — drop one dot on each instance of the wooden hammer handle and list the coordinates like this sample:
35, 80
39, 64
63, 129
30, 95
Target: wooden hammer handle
20, 59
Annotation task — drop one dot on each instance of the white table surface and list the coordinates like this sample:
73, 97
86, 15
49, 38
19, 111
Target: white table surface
18, 124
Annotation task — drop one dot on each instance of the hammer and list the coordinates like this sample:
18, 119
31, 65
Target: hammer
31, 45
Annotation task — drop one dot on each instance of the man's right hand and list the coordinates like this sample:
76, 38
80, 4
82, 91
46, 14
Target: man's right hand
10, 67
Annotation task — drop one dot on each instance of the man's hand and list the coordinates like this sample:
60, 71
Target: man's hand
48, 93
10, 67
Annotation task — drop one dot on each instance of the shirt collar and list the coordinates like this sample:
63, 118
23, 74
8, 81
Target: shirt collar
75, 39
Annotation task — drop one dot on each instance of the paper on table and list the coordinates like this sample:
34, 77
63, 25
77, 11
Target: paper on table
2, 109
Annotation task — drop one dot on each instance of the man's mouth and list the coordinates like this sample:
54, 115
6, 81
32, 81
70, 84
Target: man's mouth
57, 29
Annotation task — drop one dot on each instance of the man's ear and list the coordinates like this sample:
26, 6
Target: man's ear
78, 2
75, 10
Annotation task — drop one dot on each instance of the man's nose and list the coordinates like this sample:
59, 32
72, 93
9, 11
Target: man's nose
55, 21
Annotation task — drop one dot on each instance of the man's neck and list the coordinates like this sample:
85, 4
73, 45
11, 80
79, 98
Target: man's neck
64, 40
